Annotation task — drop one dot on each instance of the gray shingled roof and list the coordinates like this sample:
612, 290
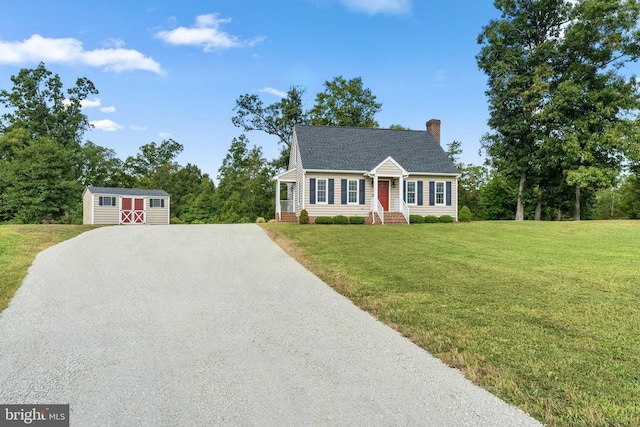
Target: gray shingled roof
362, 149
127, 191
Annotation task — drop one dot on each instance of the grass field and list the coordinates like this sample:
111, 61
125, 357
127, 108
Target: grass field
544, 315
19, 245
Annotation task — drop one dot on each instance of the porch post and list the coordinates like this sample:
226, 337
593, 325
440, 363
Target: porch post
374, 202
278, 200
400, 194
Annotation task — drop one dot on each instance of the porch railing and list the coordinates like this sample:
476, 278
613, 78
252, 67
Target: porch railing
404, 209
377, 209
286, 205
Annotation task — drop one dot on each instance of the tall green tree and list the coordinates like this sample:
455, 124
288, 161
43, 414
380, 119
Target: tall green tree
472, 181
277, 119
592, 106
345, 103
37, 181
629, 197
153, 165
37, 103
245, 190
186, 187
42, 163
515, 54
561, 112
202, 207
453, 152
99, 166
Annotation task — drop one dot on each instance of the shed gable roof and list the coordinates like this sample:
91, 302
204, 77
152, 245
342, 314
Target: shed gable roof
127, 191
362, 149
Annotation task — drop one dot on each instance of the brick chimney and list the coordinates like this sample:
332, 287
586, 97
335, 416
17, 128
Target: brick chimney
433, 127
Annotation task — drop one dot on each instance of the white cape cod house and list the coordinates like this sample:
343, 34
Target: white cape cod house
383, 175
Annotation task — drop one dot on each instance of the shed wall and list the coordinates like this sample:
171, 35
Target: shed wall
93, 213
157, 216
87, 208
106, 214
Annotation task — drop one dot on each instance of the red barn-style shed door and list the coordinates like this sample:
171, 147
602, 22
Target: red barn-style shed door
138, 212
132, 210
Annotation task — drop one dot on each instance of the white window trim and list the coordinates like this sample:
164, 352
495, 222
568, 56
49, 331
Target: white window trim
153, 200
357, 202
326, 191
444, 193
415, 192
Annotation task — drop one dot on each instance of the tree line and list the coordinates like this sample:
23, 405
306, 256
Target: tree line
45, 164
563, 115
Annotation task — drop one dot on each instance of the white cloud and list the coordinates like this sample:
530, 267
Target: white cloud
164, 134
110, 109
207, 34
273, 91
70, 51
114, 43
106, 125
138, 128
88, 103
372, 7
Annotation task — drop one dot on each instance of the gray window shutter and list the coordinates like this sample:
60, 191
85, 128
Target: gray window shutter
419, 193
432, 193
343, 191
448, 193
113, 201
312, 191
100, 201
331, 182
162, 203
404, 191
362, 191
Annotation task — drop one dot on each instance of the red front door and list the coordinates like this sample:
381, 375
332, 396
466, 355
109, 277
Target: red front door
383, 194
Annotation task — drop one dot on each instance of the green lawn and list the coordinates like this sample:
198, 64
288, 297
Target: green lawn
544, 315
19, 245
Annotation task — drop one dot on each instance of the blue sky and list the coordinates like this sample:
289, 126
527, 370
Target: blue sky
168, 69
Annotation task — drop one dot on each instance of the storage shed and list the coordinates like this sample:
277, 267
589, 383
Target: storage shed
107, 205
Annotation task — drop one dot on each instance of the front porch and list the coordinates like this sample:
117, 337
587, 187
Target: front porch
378, 197
388, 205
285, 208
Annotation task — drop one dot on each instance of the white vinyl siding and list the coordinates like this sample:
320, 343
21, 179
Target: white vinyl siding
388, 168
158, 215
435, 209
337, 208
105, 214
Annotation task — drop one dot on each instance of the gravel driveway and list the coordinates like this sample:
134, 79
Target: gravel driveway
215, 325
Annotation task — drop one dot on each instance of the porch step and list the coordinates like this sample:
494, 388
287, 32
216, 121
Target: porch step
288, 217
394, 218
